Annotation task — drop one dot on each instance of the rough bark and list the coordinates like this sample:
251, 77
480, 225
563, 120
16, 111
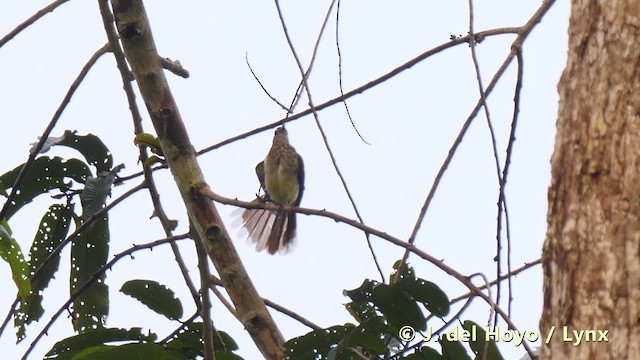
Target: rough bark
591, 255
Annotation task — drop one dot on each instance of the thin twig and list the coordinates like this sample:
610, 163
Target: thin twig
223, 300
411, 248
183, 325
507, 276
507, 161
158, 210
523, 32
436, 333
298, 93
174, 67
66, 241
502, 199
205, 303
346, 107
35, 17
214, 281
246, 59
316, 117
361, 89
94, 277
492, 311
52, 123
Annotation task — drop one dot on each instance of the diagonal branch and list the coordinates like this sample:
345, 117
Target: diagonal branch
410, 248
125, 75
523, 32
52, 123
35, 17
139, 48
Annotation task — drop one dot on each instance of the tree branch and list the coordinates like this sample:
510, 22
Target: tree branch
140, 51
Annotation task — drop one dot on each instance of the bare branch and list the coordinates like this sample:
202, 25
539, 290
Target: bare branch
140, 50
95, 277
316, 117
522, 32
35, 17
125, 75
52, 123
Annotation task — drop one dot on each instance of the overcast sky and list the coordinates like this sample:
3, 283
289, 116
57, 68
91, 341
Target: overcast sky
410, 122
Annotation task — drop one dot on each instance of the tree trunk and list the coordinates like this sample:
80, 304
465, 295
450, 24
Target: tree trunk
591, 255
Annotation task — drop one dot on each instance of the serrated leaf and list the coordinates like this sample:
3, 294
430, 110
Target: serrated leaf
74, 344
94, 195
44, 174
428, 293
89, 252
156, 297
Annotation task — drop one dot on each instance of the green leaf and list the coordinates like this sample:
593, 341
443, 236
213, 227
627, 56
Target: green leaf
156, 297
137, 351
425, 353
361, 311
3, 190
12, 254
96, 190
226, 355
91, 147
70, 346
368, 336
363, 293
44, 174
399, 308
229, 343
428, 293
89, 253
5, 236
316, 343
53, 229
189, 343
478, 342
453, 350
407, 272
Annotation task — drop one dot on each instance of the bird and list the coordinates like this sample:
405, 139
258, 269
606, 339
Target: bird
281, 177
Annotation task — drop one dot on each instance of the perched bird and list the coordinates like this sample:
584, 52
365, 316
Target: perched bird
281, 177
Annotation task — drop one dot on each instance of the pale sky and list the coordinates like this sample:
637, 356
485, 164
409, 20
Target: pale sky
410, 122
